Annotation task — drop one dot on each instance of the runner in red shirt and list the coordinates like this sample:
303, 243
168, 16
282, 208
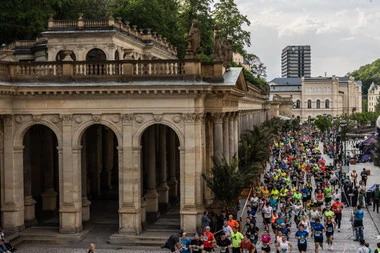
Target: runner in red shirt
246, 246
337, 208
208, 240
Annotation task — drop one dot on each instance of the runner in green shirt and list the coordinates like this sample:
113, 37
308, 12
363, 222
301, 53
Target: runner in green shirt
328, 193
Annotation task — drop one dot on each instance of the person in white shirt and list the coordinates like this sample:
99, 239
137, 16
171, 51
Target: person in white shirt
227, 229
336, 195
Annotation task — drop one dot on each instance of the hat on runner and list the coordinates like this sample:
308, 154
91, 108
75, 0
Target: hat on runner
282, 224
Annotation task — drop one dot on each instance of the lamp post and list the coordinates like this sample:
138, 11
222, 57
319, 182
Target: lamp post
343, 130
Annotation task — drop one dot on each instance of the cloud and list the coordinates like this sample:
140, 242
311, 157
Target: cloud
343, 34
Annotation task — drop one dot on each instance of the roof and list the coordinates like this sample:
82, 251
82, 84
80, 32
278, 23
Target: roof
287, 81
285, 88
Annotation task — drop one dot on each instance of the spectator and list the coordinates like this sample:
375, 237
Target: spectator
376, 198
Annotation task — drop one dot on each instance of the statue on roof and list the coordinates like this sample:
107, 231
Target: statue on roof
218, 53
227, 49
194, 39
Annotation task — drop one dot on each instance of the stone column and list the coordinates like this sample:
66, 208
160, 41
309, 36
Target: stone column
218, 135
163, 189
99, 157
231, 135
29, 202
70, 181
151, 195
173, 183
226, 145
236, 135
109, 154
85, 202
49, 196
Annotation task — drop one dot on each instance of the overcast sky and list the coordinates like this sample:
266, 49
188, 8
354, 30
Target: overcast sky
343, 34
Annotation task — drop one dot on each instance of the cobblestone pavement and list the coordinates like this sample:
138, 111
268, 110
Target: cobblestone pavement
343, 241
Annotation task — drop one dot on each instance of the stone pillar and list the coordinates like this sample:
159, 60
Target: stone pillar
49, 196
236, 135
12, 202
99, 157
29, 202
226, 145
151, 195
231, 136
109, 156
163, 189
70, 181
173, 183
85, 202
218, 135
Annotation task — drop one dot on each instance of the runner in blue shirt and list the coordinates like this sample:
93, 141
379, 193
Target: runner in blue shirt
319, 229
185, 243
302, 237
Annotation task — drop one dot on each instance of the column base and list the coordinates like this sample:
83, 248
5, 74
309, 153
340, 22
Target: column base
70, 220
85, 209
130, 220
151, 200
163, 199
49, 200
30, 211
143, 213
189, 219
13, 217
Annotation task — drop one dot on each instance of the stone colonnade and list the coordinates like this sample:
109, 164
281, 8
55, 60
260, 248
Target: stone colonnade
250, 118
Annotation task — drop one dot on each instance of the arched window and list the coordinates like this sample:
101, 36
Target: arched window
309, 104
61, 55
96, 54
327, 103
318, 104
298, 104
117, 55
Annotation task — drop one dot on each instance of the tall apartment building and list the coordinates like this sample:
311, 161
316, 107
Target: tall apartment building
296, 61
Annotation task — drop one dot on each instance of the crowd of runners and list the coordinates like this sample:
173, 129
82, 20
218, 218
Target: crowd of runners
300, 196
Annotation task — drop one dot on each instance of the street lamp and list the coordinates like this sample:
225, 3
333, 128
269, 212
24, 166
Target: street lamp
343, 130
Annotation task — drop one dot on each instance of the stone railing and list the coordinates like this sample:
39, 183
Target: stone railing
113, 70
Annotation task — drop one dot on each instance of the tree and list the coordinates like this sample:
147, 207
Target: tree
258, 69
323, 123
231, 23
161, 16
226, 182
364, 105
377, 106
91, 9
367, 74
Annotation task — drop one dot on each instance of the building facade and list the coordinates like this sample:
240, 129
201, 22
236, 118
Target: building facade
296, 61
99, 111
311, 97
373, 96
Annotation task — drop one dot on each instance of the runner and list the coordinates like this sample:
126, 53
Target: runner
330, 227
284, 246
185, 243
337, 207
246, 246
236, 238
196, 245
267, 213
302, 236
266, 241
319, 229
208, 240
224, 244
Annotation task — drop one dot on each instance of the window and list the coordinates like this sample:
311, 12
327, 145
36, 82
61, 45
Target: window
327, 103
298, 104
61, 55
318, 104
309, 104
96, 54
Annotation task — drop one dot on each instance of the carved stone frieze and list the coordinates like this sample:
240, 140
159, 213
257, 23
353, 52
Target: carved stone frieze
177, 118
115, 118
96, 117
157, 117
139, 119
55, 119
78, 119
67, 118
36, 118
19, 119
127, 118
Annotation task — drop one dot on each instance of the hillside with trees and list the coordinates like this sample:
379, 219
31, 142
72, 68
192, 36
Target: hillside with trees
367, 74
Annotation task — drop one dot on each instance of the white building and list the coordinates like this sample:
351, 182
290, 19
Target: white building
373, 95
320, 95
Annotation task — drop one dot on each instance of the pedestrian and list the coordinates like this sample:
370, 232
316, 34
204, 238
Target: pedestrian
205, 220
358, 223
376, 198
302, 236
173, 242
92, 248
364, 176
362, 248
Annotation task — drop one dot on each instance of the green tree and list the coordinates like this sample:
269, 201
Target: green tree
377, 106
91, 9
226, 181
364, 105
231, 23
323, 123
258, 69
161, 16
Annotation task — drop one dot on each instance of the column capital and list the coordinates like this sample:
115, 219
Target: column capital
218, 117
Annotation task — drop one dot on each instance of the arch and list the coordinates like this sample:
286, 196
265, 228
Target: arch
327, 103
309, 105
77, 136
298, 104
136, 138
318, 104
20, 132
96, 54
61, 55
